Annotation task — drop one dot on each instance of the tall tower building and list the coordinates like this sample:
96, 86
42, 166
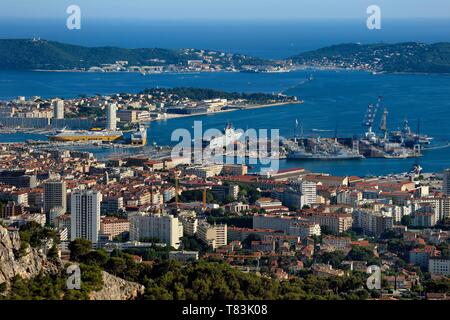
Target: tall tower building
446, 184
85, 215
58, 109
54, 196
308, 192
111, 119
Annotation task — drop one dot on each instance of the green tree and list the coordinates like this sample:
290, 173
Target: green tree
78, 248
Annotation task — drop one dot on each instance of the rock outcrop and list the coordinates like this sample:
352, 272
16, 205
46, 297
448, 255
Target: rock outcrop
26, 263
115, 288
29, 263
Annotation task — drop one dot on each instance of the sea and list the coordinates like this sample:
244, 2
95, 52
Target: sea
334, 101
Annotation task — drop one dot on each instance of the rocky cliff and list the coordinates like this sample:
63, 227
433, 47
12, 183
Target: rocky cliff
28, 263
115, 288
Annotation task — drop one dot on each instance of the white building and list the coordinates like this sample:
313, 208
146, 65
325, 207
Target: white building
165, 227
205, 171
304, 229
213, 235
111, 118
308, 192
58, 109
189, 221
85, 215
275, 222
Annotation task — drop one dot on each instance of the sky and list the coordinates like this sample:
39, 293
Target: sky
224, 9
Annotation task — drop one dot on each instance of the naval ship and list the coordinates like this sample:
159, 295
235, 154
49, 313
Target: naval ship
336, 154
408, 138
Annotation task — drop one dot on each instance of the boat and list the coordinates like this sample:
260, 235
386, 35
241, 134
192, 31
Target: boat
65, 135
139, 137
337, 154
409, 138
230, 136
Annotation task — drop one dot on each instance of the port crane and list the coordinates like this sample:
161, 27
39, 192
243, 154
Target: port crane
369, 120
383, 124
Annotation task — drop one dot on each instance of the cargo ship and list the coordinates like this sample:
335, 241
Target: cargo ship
139, 137
85, 135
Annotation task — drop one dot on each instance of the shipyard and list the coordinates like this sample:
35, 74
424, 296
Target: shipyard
398, 144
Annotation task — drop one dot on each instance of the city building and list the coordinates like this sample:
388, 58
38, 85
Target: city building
335, 222
55, 195
190, 223
18, 178
204, 172
275, 222
308, 191
235, 170
114, 226
213, 235
439, 266
58, 109
371, 222
164, 227
304, 229
53, 214
85, 215
111, 204
111, 118
237, 207
420, 256
10, 209
221, 192
446, 182
183, 256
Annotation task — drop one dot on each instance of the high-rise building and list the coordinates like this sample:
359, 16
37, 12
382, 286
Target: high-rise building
446, 184
164, 227
58, 109
308, 191
54, 195
111, 119
85, 215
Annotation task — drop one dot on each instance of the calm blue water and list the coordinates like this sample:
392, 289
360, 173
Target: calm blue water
331, 99
268, 39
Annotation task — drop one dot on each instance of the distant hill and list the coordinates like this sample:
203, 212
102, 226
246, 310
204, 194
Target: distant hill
401, 57
27, 54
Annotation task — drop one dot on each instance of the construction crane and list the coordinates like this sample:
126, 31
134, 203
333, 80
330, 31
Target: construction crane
204, 199
370, 118
383, 124
176, 191
151, 193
